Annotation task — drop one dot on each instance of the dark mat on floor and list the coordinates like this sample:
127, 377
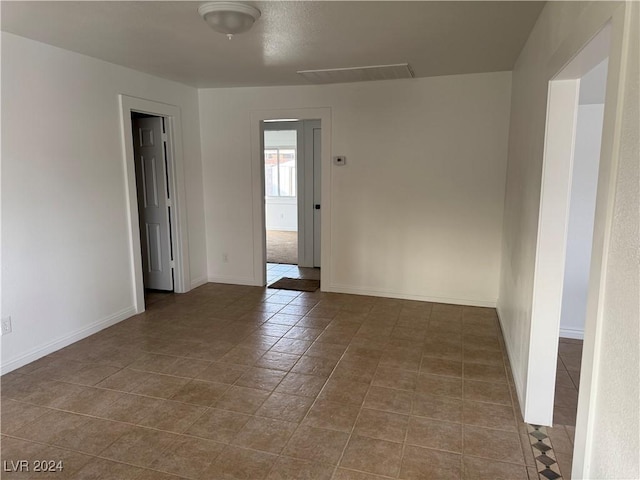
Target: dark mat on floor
298, 284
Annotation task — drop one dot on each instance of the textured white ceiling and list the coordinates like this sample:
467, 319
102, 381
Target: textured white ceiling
170, 40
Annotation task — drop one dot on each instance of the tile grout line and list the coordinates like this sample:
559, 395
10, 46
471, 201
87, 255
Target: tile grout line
413, 396
462, 379
45, 444
271, 392
254, 331
315, 400
514, 402
182, 434
360, 409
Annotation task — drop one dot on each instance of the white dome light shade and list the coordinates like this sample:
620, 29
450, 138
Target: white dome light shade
229, 18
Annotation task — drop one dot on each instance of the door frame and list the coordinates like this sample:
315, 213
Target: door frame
258, 193
175, 173
310, 181
607, 40
296, 126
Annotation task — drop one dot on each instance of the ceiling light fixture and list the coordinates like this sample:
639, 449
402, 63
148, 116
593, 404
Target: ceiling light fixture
229, 18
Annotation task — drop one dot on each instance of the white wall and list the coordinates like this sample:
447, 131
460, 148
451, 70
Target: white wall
612, 444
282, 213
417, 210
614, 450
581, 216
66, 268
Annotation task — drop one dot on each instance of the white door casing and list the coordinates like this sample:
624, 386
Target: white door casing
300, 177
316, 162
179, 230
317, 194
309, 169
154, 200
310, 196
257, 166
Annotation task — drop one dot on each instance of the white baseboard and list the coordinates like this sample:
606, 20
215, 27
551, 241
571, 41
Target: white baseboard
519, 383
576, 333
198, 282
234, 280
281, 229
337, 288
67, 340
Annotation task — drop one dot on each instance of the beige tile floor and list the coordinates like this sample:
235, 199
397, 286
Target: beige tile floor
567, 381
231, 382
566, 403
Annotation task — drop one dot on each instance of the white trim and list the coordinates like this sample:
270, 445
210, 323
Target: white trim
281, 229
575, 333
282, 200
562, 110
198, 282
307, 205
338, 288
176, 178
251, 281
578, 55
557, 168
257, 172
67, 340
515, 372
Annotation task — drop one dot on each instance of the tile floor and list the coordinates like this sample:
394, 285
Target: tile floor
233, 382
567, 381
561, 439
566, 403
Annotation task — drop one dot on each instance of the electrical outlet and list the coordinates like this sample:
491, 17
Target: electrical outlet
6, 325
225, 258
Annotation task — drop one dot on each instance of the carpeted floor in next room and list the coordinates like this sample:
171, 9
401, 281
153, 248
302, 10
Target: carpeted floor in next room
282, 247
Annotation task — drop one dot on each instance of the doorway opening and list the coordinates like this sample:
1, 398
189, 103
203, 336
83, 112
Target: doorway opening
154, 198
576, 200
155, 179
579, 241
291, 154
281, 159
322, 177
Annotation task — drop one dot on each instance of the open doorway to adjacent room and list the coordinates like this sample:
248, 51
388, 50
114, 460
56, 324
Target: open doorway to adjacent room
582, 206
154, 197
575, 201
152, 143
588, 124
292, 179
281, 159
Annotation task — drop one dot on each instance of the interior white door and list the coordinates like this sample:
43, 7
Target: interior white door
153, 202
311, 205
317, 175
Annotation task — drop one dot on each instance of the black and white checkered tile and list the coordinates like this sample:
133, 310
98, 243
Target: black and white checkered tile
546, 462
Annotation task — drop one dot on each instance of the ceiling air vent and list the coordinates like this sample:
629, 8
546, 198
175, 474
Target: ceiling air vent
358, 74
